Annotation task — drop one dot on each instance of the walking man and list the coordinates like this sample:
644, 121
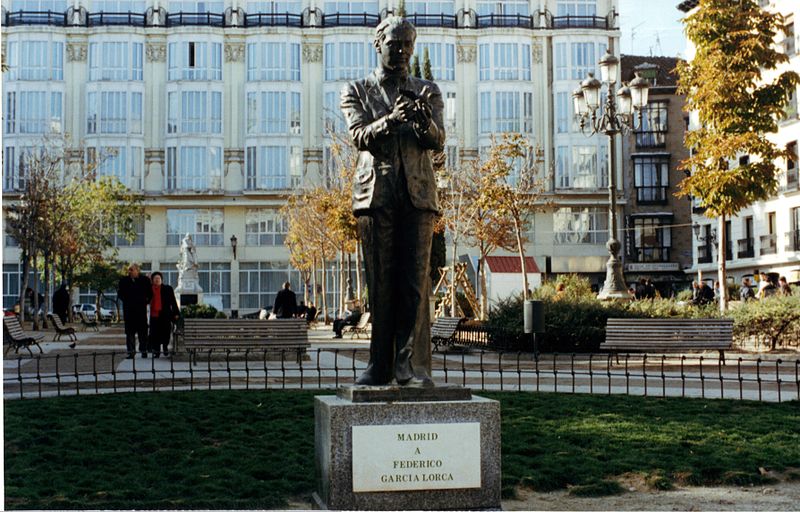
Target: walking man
135, 292
394, 120
285, 302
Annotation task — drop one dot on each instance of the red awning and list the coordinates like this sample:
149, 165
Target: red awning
511, 265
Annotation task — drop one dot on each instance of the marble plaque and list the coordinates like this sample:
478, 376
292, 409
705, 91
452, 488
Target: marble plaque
416, 457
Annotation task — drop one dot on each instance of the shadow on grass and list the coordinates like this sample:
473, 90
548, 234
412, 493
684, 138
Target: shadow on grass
255, 449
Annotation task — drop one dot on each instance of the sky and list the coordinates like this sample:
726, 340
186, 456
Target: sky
646, 23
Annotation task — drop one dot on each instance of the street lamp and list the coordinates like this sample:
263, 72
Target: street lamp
234, 242
617, 116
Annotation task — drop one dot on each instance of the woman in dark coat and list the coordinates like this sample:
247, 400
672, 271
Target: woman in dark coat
163, 311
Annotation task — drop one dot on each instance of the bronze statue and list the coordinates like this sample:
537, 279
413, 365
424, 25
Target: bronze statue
394, 121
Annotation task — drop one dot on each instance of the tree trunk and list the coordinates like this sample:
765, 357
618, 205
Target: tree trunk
314, 281
47, 289
453, 294
324, 294
484, 296
24, 285
35, 298
521, 251
721, 265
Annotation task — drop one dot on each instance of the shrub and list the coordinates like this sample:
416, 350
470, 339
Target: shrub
200, 311
774, 320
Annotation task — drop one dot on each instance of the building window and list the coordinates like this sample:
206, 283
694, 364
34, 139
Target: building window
562, 62
265, 227
272, 112
506, 7
333, 117
586, 169
349, 60
194, 168
790, 110
193, 112
562, 112
121, 162
284, 7
583, 60
121, 6
445, 7
651, 179
653, 130
196, 6
788, 39
505, 61
35, 60
346, 7
259, 283
792, 167
273, 61
115, 61
507, 116
34, 112
107, 112
39, 5
273, 167
118, 240
205, 226
651, 240
576, 8
215, 279
195, 61
580, 225
442, 57
12, 278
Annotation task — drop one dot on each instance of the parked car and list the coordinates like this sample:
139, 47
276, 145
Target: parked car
91, 310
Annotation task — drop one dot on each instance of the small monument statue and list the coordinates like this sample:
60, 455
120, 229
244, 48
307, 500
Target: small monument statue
394, 120
188, 279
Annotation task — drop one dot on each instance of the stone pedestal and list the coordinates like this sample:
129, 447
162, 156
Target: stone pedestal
393, 448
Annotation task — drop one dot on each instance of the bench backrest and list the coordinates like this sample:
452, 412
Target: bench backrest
362, 321
56, 321
445, 326
87, 318
13, 327
665, 331
249, 332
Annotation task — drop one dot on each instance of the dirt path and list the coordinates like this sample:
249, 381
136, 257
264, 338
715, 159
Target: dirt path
780, 497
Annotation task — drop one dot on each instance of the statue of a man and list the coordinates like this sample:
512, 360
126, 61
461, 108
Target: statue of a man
394, 121
188, 254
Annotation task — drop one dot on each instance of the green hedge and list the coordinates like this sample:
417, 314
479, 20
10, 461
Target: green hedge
201, 311
575, 320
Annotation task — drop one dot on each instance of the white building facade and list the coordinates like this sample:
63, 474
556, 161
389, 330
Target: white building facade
217, 111
765, 237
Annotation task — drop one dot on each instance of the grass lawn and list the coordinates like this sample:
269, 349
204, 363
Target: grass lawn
255, 449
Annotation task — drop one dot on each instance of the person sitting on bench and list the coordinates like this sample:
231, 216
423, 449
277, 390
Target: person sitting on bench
350, 317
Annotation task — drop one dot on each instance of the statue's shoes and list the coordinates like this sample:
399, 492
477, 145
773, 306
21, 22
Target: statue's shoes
417, 382
368, 380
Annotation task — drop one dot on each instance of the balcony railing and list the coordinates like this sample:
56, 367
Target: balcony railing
769, 244
580, 22
350, 20
35, 18
505, 20
704, 254
208, 19
180, 184
433, 20
652, 139
746, 248
131, 19
793, 239
651, 195
653, 254
273, 20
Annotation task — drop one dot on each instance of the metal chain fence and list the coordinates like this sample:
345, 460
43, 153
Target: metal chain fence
745, 378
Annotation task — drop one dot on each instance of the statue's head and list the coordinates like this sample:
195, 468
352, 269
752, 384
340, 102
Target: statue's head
394, 42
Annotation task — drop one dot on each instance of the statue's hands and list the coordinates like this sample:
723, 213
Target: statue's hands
423, 113
402, 112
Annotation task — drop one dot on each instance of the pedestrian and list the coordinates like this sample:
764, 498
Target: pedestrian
763, 282
649, 289
717, 292
301, 310
311, 313
641, 289
695, 292
163, 311
783, 287
285, 302
350, 317
705, 294
61, 303
746, 292
135, 291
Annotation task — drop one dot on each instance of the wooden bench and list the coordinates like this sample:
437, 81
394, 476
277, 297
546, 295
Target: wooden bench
443, 331
62, 330
17, 338
668, 335
87, 321
237, 335
359, 328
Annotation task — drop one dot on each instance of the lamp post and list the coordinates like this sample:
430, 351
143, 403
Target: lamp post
234, 242
616, 116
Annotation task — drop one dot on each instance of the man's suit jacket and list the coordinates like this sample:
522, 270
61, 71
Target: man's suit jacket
365, 107
285, 304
